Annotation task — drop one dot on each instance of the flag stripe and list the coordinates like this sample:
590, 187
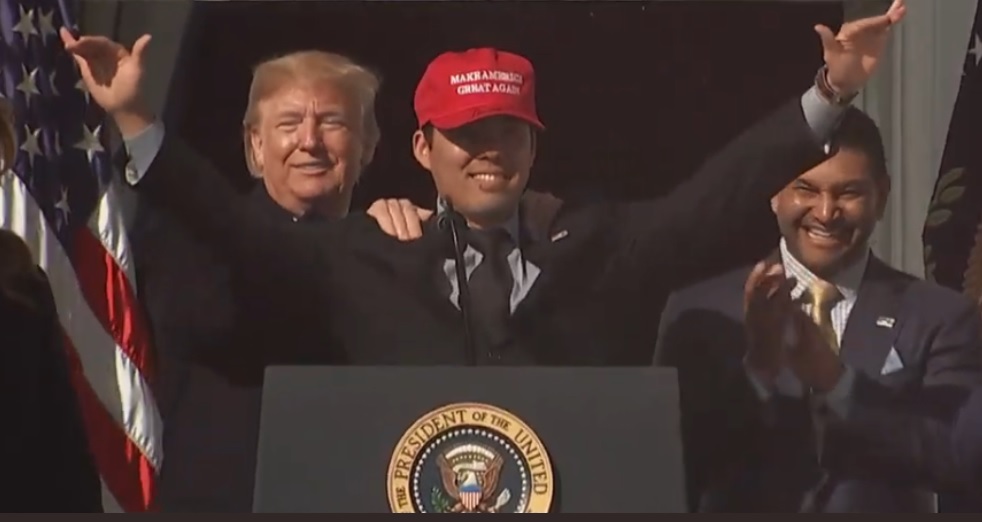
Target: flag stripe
107, 290
120, 447
121, 464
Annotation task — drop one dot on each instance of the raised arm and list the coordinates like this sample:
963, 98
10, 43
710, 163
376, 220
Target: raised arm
286, 265
708, 215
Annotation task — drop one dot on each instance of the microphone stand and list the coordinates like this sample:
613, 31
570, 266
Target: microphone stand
455, 222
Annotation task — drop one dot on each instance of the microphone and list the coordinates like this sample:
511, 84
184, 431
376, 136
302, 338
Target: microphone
453, 224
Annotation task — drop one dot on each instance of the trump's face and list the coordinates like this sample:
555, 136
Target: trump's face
307, 145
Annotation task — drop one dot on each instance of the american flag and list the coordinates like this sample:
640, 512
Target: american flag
956, 204
62, 201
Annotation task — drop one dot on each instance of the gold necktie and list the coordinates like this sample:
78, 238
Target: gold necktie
824, 295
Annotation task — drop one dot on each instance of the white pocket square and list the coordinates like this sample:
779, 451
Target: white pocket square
893, 363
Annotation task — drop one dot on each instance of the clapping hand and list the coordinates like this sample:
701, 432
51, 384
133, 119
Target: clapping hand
809, 356
766, 304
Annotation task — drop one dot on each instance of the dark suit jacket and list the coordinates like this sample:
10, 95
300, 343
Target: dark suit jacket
967, 440
387, 300
45, 463
889, 434
210, 383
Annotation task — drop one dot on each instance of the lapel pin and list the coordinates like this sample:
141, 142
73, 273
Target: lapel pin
559, 235
885, 322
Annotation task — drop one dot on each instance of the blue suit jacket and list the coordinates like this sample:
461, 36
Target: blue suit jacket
888, 439
968, 440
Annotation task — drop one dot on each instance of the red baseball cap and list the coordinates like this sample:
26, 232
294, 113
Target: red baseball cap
462, 87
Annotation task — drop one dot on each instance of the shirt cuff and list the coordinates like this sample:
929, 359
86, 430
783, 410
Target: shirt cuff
141, 150
822, 116
762, 390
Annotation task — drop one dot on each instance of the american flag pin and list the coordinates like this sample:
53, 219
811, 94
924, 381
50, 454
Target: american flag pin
885, 322
559, 235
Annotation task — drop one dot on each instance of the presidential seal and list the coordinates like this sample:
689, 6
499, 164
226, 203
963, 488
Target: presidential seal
470, 458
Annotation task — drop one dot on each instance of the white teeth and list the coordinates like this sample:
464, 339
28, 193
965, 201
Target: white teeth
487, 177
819, 234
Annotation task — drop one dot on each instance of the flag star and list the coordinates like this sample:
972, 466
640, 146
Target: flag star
29, 85
90, 141
31, 145
976, 50
25, 26
56, 144
80, 85
46, 23
51, 82
62, 203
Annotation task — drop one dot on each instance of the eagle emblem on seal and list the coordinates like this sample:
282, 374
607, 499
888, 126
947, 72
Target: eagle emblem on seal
470, 475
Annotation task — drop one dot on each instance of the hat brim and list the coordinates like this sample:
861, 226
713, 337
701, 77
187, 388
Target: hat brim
471, 114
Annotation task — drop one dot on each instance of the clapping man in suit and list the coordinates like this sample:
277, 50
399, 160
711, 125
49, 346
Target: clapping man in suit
822, 379
548, 279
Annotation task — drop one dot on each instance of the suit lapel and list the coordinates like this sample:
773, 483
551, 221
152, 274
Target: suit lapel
418, 265
547, 246
873, 322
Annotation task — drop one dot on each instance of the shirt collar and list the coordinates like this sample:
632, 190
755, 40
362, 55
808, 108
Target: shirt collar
510, 226
847, 280
274, 210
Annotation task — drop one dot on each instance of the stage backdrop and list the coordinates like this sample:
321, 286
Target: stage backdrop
634, 94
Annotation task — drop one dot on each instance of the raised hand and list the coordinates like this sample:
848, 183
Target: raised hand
853, 54
111, 73
767, 303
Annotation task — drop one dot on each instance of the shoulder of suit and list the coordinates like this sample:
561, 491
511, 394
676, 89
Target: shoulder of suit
941, 300
927, 296
541, 208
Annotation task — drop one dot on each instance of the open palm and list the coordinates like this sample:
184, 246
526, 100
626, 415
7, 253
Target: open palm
853, 54
111, 73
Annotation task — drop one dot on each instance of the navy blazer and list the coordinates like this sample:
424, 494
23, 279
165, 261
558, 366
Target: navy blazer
967, 438
888, 439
